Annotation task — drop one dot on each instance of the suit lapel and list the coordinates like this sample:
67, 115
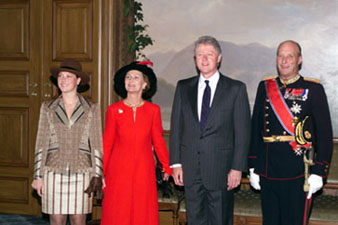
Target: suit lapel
192, 96
60, 112
221, 87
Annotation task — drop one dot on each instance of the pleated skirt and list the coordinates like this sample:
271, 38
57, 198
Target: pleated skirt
64, 194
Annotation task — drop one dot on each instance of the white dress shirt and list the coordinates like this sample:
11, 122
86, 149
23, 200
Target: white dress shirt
213, 80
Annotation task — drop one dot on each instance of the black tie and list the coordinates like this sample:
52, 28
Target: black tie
205, 105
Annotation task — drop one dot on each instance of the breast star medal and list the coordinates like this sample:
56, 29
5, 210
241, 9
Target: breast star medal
296, 109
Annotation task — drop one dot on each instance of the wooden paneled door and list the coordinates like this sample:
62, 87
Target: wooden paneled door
36, 35
20, 70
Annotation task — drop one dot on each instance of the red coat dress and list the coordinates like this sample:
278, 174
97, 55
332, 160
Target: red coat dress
130, 196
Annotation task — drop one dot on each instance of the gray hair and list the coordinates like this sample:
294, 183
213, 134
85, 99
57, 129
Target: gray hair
208, 40
293, 42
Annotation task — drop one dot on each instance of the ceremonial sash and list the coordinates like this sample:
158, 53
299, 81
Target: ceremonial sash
282, 111
279, 106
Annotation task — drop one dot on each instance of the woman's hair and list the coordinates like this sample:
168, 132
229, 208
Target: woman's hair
146, 79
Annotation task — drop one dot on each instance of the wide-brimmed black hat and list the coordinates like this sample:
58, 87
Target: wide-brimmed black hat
143, 67
70, 65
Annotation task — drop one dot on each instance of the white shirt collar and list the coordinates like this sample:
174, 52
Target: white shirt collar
213, 80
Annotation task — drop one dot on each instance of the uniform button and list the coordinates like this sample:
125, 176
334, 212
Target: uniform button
267, 122
266, 107
266, 115
267, 100
284, 132
267, 130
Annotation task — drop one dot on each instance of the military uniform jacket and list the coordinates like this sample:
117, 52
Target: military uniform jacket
278, 160
69, 145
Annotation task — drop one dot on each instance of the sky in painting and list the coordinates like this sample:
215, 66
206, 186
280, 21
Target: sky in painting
176, 24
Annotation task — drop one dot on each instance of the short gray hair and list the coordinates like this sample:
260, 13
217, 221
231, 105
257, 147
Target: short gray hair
293, 42
208, 40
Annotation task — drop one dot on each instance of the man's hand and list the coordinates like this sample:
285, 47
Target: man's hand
178, 176
39, 186
254, 180
234, 179
315, 184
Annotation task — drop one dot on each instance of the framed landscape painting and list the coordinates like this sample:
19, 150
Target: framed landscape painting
249, 32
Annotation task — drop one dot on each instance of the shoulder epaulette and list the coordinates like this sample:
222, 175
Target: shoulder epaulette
314, 80
270, 77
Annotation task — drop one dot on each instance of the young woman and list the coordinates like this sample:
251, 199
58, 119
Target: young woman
68, 153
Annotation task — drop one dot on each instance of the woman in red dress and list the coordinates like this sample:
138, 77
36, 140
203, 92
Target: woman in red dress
133, 126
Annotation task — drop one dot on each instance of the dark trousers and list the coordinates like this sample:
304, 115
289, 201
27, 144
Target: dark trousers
283, 201
208, 207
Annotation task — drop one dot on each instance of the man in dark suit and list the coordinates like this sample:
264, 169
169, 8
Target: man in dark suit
276, 159
209, 137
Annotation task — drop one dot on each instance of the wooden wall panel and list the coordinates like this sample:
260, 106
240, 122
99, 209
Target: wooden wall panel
14, 138
14, 190
14, 38
73, 30
333, 176
14, 83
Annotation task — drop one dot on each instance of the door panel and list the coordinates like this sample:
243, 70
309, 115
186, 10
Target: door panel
19, 102
14, 83
15, 191
14, 149
73, 30
14, 43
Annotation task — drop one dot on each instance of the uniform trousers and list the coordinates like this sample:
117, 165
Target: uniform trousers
283, 201
208, 207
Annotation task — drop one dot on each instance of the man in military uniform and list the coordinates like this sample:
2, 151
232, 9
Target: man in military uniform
275, 159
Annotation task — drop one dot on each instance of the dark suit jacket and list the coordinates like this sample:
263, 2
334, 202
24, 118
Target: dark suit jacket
223, 144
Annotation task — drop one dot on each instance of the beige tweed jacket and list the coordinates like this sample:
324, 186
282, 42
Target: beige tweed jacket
72, 145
